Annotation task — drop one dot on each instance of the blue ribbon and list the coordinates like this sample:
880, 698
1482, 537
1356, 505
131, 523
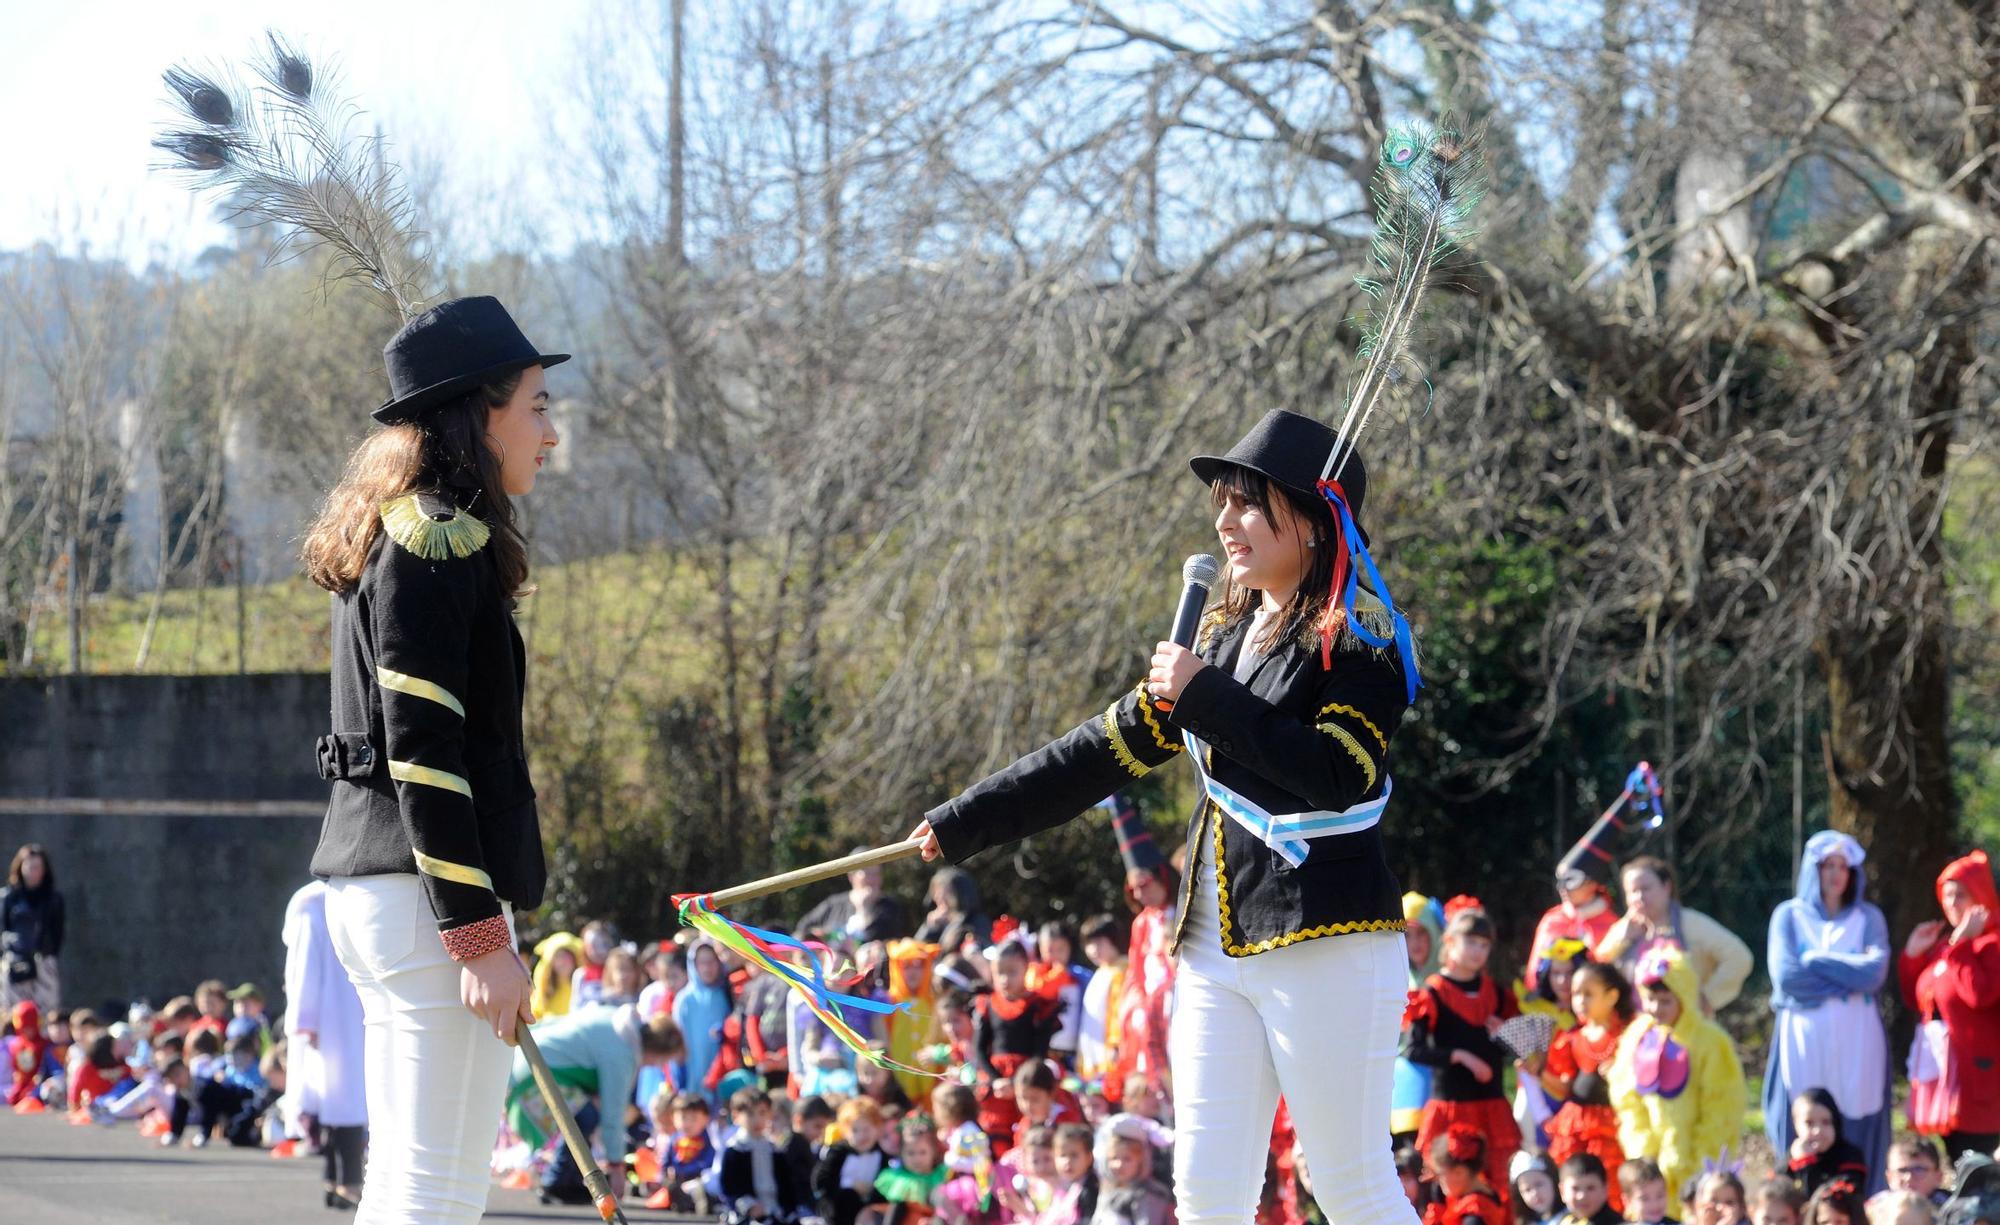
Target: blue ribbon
818, 987
1357, 550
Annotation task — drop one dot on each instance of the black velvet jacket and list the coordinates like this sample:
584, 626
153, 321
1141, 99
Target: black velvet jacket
1297, 737
430, 774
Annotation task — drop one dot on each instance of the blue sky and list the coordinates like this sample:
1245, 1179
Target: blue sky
447, 78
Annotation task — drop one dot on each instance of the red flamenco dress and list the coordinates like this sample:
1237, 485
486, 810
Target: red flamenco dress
1446, 1015
1586, 1122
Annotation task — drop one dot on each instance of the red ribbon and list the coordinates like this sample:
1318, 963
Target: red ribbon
1332, 492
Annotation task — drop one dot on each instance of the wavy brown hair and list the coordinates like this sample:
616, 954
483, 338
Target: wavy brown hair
1309, 609
445, 452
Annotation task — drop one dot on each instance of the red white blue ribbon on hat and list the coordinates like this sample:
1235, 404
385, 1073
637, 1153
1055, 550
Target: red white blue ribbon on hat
1350, 558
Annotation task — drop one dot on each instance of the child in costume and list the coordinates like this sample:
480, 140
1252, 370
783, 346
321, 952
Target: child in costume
843, 1182
909, 1185
1676, 1082
1836, 1203
1579, 1060
1151, 885
968, 1155
1129, 1193
1452, 1023
1423, 938
1464, 1196
755, 1182
1820, 1153
1025, 1181
1947, 971
1098, 1039
685, 1150
1718, 1199
1076, 1172
1012, 1026
1780, 1201
1549, 997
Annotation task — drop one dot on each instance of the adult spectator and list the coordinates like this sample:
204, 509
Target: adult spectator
1655, 918
1953, 981
1829, 956
864, 913
954, 899
31, 933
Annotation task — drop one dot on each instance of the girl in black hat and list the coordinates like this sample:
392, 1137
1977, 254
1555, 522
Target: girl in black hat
1291, 965
431, 838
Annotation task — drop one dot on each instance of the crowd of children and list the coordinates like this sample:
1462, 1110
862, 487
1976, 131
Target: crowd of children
1016, 1074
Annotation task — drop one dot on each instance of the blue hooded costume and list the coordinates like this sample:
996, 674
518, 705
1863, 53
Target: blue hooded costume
1827, 963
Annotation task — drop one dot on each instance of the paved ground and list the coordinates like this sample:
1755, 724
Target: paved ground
52, 1172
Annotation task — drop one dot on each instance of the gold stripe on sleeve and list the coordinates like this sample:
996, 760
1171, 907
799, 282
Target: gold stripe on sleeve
444, 869
418, 687
410, 772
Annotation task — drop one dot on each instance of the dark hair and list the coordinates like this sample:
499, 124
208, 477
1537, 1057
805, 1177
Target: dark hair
917, 1123
1841, 1196
1409, 1162
675, 955
102, 1053
1104, 927
444, 450
812, 1106
1537, 1164
747, 1098
1079, 1132
1820, 1097
1442, 1157
1011, 948
1654, 864
660, 1036
243, 1044
1780, 1189
956, 1100
1034, 1074
21, 857
1584, 1165
1469, 923
1309, 609
1165, 874
170, 1042
205, 1042
1611, 978
173, 1065
1911, 1144
1637, 1172
1721, 1178
1056, 929
693, 1101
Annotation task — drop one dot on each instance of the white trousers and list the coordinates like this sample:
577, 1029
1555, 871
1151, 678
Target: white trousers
1316, 1022
435, 1074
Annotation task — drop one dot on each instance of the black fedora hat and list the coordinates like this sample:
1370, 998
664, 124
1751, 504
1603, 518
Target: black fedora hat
450, 349
1289, 449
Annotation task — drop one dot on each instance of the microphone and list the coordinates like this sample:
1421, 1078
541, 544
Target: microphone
1198, 574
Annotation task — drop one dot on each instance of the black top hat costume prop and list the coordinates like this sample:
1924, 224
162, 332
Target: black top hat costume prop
449, 350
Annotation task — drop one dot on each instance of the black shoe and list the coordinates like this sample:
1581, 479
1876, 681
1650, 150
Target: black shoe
341, 1203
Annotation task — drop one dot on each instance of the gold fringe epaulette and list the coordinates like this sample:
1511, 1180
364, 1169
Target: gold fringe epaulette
432, 528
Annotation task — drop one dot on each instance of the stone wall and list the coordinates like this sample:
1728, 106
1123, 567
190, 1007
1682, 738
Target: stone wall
158, 903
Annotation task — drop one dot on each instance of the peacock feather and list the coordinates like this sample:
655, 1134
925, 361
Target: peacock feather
1427, 186
281, 153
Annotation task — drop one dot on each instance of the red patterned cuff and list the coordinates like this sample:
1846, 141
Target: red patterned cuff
476, 939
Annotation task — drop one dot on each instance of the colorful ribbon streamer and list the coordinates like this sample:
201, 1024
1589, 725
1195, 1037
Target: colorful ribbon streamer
772, 951
1347, 580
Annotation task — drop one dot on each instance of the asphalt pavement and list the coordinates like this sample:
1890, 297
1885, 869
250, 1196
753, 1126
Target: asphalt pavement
53, 1172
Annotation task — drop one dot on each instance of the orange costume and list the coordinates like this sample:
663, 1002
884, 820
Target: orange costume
1586, 1123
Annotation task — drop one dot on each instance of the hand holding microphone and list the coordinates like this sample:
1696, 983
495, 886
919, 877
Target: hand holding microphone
1174, 662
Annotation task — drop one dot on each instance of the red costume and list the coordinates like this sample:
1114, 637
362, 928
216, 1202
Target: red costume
1586, 1122
1446, 1016
1142, 1012
27, 1052
1561, 922
1958, 983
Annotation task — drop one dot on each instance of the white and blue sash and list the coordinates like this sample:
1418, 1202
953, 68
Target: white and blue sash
1287, 834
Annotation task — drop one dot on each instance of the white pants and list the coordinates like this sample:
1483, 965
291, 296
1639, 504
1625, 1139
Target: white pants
435, 1073
1316, 1022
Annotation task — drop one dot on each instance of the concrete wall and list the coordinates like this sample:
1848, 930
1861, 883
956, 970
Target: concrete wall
158, 903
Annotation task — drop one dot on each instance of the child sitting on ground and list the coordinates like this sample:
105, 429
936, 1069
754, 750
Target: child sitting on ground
685, 1149
1916, 1165
843, 1183
1536, 1201
1780, 1201
1718, 1199
1464, 1198
1836, 1203
1025, 1180
1076, 1178
1900, 1208
913, 1180
1586, 1193
1129, 1194
756, 1182
968, 1155
1645, 1191
1820, 1154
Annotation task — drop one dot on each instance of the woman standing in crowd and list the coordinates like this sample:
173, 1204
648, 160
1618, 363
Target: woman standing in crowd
1829, 956
431, 838
1951, 976
1289, 937
31, 933
1655, 918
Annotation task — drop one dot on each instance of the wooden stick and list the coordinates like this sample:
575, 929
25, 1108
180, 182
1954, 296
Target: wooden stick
594, 1179
817, 872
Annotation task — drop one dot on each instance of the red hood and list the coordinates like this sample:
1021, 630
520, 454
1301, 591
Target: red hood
28, 1020
1975, 875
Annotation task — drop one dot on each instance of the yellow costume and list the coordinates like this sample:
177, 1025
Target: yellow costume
1679, 1090
910, 964
551, 993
